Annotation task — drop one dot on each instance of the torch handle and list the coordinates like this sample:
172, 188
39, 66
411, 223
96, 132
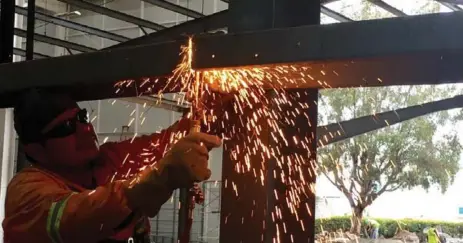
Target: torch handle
193, 194
196, 126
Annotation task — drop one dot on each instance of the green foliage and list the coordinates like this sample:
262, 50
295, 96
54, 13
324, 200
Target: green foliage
389, 227
402, 156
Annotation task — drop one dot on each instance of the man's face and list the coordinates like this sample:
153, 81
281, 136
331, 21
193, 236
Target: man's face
71, 139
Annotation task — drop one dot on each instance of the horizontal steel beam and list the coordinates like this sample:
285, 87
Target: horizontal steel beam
73, 25
388, 8
396, 51
451, 6
457, 2
192, 27
175, 8
336, 132
113, 14
55, 41
94, 69
334, 15
422, 49
21, 52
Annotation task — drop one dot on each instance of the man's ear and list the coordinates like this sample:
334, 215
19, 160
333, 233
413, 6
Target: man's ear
36, 151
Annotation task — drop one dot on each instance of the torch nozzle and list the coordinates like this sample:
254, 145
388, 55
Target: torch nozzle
195, 126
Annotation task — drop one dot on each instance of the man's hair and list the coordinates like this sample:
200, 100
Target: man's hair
35, 109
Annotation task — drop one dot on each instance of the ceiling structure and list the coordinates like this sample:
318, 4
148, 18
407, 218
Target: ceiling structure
199, 22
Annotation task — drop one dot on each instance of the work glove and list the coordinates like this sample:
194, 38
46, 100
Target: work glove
184, 164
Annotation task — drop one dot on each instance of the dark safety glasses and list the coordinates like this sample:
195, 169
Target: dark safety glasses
68, 125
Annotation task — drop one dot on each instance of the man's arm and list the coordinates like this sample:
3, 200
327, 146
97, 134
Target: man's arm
130, 156
39, 208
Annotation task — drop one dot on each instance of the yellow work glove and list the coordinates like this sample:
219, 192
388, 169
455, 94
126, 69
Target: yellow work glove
185, 163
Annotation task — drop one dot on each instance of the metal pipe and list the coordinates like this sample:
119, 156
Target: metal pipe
187, 202
188, 197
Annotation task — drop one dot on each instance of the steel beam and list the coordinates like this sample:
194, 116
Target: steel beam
453, 7
413, 50
393, 36
73, 25
30, 30
334, 15
336, 132
388, 8
189, 28
55, 41
458, 2
175, 8
21, 52
114, 14
6, 31
322, 1
124, 63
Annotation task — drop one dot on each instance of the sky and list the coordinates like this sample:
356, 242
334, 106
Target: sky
416, 203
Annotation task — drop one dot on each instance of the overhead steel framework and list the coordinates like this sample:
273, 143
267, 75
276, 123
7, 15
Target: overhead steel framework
199, 24
55, 41
175, 8
72, 25
114, 14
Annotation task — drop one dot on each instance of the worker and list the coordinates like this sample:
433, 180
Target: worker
433, 235
74, 191
372, 228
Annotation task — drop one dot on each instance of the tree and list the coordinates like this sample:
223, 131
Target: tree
403, 156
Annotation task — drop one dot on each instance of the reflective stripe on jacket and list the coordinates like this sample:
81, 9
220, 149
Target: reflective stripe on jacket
432, 235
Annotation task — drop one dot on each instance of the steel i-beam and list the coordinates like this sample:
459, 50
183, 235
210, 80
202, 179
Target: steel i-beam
175, 8
73, 25
182, 31
55, 41
21, 52
114, 14
6, 30
402, 51
337, 132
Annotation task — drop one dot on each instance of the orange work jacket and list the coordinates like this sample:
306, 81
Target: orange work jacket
43, 206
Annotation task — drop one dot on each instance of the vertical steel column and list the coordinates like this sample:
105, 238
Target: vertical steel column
246, 218
6, 55
21, 161
6, 30
30, 29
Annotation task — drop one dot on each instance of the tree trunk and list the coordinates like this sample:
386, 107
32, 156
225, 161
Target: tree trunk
356, 220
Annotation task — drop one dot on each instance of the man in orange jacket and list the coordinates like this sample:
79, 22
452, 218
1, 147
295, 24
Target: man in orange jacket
75, 190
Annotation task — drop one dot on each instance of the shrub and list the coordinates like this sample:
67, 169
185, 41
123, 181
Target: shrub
389, 227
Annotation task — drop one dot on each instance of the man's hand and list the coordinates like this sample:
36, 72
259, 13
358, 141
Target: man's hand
186, 162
